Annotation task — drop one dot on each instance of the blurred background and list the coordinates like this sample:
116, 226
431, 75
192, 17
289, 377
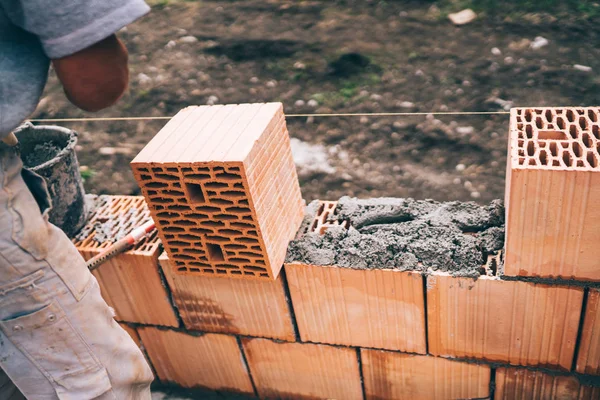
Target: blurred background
352, 57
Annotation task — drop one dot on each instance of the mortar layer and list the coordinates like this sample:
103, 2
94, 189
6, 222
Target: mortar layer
42, 153
406, 234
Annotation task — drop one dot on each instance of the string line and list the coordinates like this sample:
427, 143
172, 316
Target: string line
326, 115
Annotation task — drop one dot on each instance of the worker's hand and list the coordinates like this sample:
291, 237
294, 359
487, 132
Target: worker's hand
96, 77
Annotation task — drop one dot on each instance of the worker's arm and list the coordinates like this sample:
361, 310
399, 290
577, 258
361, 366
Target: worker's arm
96, 77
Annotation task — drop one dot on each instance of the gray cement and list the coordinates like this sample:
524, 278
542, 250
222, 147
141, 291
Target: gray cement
407, 234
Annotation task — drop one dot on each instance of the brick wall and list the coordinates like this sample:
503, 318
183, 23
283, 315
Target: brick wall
323, 331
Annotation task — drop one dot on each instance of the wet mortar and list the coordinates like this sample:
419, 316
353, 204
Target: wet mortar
41, 154
406, 234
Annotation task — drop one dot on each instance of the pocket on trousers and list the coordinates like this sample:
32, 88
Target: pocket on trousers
47, 338
30, 223
22, 296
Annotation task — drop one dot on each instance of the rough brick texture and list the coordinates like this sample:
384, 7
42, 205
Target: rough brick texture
129, 282
552, 191
222, 187
209, 361
522, 384
407, 376
588, 360
368, 308
519, 323
302, 370
245, 307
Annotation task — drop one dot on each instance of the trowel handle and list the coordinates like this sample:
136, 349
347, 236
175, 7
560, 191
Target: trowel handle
10, 140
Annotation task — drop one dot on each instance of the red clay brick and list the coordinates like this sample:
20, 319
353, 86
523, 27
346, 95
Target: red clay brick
522, 384
519, 323
245, 307
588, 360
390, 375
368, 308
553, 186
209, 361
302, 370
130, 282
222, 186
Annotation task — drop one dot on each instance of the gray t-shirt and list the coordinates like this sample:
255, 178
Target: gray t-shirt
34, 31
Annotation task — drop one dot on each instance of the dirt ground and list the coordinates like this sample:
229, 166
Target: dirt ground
344, 56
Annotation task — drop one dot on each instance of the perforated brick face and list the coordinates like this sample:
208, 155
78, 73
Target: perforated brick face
222, 188
556, 138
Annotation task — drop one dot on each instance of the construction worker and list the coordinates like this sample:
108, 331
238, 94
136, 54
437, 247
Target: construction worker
58, 338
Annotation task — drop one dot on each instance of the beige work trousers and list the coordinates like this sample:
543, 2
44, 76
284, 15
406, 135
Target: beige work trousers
58, 337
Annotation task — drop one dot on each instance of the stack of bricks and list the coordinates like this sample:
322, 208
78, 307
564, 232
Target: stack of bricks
220, 183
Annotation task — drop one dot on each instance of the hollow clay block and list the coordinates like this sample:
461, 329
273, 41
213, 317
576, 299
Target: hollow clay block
243, 307
391, 375
370, 308
223, 190
520, 323
303, 370
210, 361
130, 282
523, 384
552, 191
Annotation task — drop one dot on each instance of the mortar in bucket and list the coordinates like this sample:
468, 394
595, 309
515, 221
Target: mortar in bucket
49, 151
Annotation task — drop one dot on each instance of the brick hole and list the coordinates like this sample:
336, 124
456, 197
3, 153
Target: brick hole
200, 231
173, 169
174, 193
242, 225
592, 116
234, 169
187, 236
239, 260
184, 222
548, 115
577, 150
159, 207
247, 240
231, 253
157, 169
227, 217
555, 163
228, 177
552, 135
146, 177
229, 232
249, 273
560, 122
529, 131
156, 185
199, 264
580, 163
596, 131
211, 223
243, 202
177, 207
164, 222
182, 269
573, 131
170, 236
253, 268
195, 192
222, 202
183, 257
177, 243
591, 158
553, 149
143, 170
264, 274
218, 239
221, 271
236, 272
238, 185
250, 254
215, 252
570, 116
530, 149
211, 193
234, 194
587, 140
566, 157
539, 123
252, 233
208, 271
166, 214
202, 169
528, 115
209, 209
543, 157
247, 218
583, 123
238, 210
167, 177
199, 177
532, 161
215, 185
162, 200
195, 251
